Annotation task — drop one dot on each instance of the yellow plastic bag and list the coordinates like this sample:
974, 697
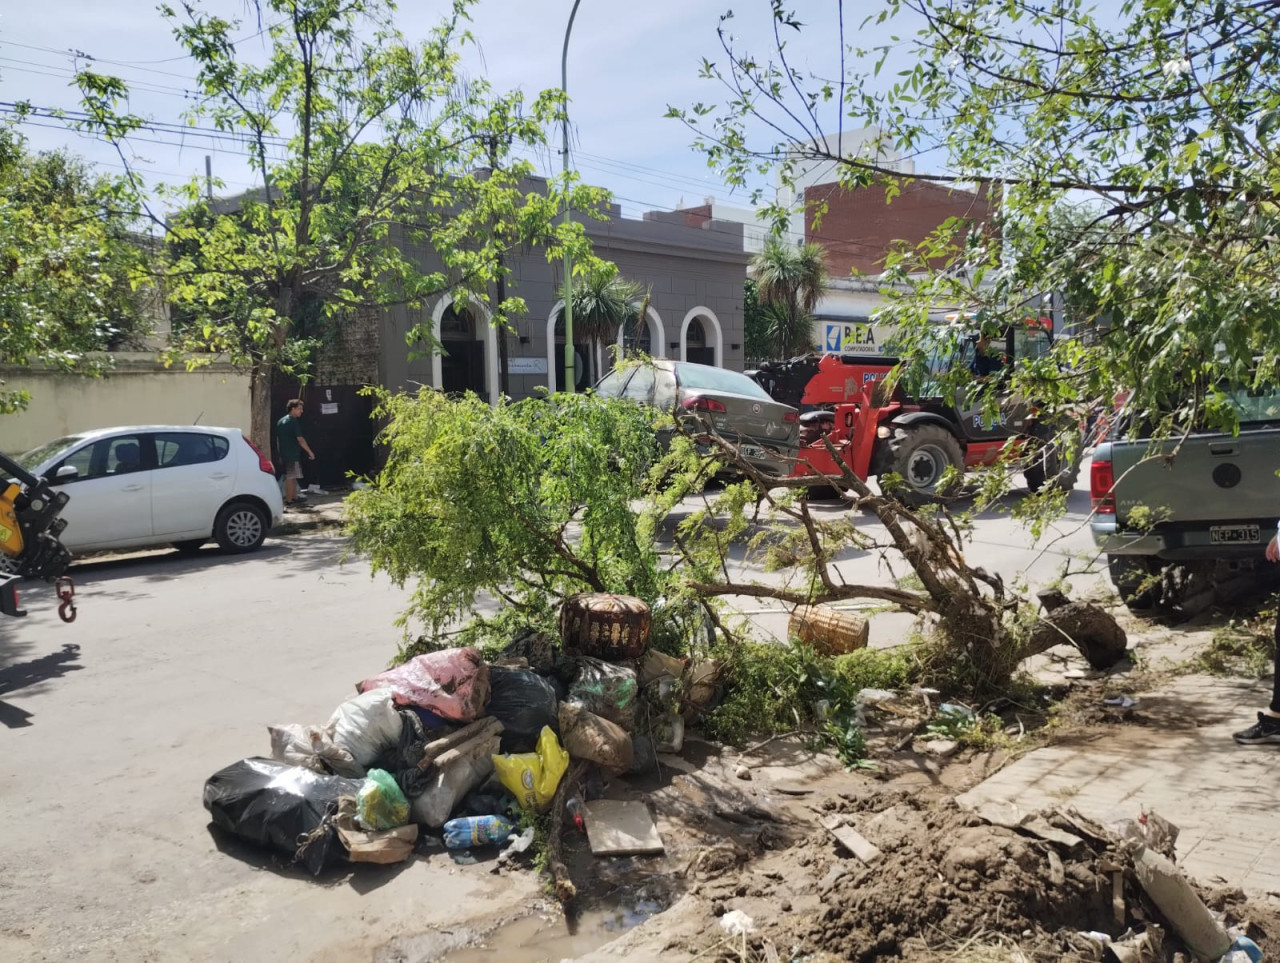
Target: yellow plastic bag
532, 777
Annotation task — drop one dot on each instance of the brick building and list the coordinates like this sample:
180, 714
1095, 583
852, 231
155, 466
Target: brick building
859, 227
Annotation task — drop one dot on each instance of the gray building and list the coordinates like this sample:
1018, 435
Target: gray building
694, 271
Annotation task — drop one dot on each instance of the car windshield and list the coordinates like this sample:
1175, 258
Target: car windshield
701, 377
37, 456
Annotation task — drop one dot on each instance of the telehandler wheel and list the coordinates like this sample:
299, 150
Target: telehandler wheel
921, 454
1049, 464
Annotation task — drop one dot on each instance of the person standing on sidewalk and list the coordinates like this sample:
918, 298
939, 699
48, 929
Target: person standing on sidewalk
1267, 729
292, 445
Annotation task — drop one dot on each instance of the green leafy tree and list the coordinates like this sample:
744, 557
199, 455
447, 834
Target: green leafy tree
605, 302
1162, 115
790, 280
529, 502
754, 323
68, 263
387, 179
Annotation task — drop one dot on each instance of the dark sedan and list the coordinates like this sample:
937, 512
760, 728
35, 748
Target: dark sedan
765, 431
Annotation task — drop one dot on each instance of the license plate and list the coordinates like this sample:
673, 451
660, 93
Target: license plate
751, 451
1233, 534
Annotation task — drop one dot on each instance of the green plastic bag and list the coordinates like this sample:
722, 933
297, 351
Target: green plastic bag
380, 804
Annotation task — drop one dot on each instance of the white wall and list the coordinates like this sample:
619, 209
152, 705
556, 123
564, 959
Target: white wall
140, 391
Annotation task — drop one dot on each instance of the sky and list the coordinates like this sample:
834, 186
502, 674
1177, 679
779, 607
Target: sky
627, 63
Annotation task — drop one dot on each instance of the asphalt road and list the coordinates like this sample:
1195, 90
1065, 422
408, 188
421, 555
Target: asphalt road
175, 666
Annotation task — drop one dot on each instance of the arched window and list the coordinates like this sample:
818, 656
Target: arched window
457, 324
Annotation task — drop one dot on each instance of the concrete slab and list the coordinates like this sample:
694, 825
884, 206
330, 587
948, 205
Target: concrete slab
1184, 766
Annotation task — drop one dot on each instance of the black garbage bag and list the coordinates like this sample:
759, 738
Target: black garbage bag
523, 702
282, 807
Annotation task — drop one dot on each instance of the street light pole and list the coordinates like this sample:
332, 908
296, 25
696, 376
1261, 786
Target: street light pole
570, 380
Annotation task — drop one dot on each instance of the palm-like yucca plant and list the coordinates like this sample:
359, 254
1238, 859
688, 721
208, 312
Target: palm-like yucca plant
790, 280
604, 301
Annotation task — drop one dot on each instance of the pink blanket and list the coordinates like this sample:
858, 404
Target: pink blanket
453, 683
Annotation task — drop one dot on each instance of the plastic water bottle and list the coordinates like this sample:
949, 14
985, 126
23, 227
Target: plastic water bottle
468, 831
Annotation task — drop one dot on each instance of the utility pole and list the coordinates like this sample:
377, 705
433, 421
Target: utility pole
500, 285
208, 176
570, 378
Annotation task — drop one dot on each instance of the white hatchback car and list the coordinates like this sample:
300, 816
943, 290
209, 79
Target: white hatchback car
148, 485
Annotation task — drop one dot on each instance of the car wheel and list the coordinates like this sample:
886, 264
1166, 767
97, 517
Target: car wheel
240, 527
191, 546
1137, 580
921, 455
1048, 464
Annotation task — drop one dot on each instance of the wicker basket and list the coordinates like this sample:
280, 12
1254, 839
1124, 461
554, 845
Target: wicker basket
827, 631
603, 626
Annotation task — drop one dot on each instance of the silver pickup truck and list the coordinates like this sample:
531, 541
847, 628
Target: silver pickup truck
1207, 504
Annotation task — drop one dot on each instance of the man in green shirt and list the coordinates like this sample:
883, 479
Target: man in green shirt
292, 445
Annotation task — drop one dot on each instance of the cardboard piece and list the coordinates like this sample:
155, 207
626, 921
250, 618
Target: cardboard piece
617, 828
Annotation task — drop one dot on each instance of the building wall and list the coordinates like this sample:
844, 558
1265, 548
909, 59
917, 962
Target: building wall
860, 227
696, 270
139, 391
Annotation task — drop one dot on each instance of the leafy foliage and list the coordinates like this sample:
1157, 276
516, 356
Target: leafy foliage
387, 178
529, 502
68, 263
1151, 125
790, 280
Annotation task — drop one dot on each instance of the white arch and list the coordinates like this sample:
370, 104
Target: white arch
657, 334
490, 347
709, 315
551, 345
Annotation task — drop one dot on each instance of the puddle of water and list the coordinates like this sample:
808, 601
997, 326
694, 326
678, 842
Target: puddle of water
533, 939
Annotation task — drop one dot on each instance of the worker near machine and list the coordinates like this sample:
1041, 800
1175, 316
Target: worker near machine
985, 361
292, 445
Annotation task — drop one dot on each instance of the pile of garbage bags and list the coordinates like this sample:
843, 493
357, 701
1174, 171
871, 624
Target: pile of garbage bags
452, 744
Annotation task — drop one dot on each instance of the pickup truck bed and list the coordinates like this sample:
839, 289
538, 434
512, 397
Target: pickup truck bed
1208, 499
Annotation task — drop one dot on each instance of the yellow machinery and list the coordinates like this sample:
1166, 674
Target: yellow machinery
29, 544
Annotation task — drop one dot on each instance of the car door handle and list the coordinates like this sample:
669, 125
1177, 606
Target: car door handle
221, 475
1223, 449
132, 488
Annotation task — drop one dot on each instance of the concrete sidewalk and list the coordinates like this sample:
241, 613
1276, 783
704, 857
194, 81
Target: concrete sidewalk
322, 510
1183, 764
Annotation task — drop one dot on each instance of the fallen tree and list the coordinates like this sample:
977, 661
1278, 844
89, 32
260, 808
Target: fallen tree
534, 501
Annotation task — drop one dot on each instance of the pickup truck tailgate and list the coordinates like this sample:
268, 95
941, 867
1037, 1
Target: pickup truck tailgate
1212, 478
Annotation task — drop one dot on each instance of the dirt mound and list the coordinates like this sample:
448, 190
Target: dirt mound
947, 876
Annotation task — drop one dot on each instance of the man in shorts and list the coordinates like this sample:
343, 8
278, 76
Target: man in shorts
292, 445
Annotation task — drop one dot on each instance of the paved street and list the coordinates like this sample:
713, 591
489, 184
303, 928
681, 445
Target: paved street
175, 666
180, 665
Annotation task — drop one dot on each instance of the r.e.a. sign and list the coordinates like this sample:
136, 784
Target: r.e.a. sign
850, 337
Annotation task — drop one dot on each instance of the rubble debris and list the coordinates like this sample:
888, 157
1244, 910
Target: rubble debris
1177, 900
851, 839
595, 739
455, 771
380, 804
533, 777
382, 847
469, 831
523, 702
605, 626
621, 828
828, 631
452, 683
275, 805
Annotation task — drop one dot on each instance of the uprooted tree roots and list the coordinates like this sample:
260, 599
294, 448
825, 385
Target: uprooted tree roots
980, 637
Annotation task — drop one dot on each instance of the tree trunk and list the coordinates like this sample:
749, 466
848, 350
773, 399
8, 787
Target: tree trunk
260, 407
1090, 629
